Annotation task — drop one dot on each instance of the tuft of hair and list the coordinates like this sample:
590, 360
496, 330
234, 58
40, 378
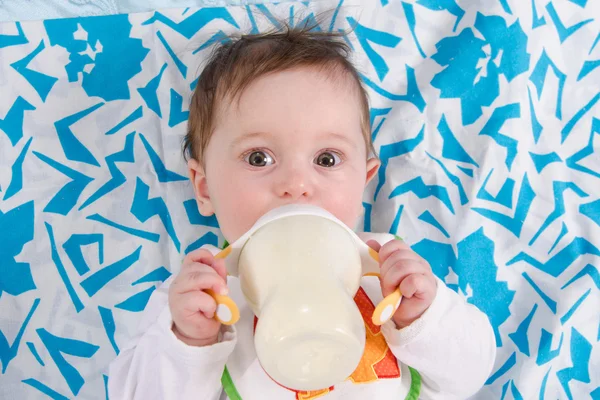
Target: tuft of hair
239, 60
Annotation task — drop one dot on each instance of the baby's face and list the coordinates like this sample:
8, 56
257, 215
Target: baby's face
294, 137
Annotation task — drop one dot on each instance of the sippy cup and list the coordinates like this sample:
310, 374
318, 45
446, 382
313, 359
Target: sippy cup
299, 268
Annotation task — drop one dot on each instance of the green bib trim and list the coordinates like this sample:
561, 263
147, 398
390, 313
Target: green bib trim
228, 386
415, 385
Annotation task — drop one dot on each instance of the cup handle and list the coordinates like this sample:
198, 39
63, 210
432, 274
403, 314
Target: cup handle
227, 311
387, 308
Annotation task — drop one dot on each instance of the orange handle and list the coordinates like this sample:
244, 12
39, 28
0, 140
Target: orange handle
227, 311
387, 308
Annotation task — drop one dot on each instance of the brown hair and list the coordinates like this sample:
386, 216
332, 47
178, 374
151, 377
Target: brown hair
237, 62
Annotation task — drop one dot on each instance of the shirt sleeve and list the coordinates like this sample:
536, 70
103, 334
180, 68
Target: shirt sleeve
452, 346
155, 364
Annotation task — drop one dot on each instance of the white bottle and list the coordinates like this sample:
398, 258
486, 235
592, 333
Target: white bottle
299, 274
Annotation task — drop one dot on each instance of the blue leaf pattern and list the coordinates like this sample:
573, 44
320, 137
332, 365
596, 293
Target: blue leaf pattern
487, 128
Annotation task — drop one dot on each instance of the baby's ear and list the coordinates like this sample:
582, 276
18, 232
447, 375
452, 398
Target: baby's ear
198, 179
372, 168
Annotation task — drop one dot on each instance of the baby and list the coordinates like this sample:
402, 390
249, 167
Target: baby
276, 119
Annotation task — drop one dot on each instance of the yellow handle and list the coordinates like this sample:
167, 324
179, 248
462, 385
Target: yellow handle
387, 308
227, 311
223, 253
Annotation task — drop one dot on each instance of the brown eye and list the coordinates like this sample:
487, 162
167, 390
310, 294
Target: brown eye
327, 159
259, 159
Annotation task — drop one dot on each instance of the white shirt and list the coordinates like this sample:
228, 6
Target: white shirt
450, 349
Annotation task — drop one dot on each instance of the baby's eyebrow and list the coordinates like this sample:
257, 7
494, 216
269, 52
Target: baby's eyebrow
339, 136
249, 136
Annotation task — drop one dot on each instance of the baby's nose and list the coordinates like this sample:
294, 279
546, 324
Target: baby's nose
295, 185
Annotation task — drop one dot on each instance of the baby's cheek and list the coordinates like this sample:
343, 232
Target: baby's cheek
234, 225
240, 216
348, 209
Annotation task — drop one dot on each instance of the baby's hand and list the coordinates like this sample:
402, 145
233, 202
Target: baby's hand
192, 309
403, 268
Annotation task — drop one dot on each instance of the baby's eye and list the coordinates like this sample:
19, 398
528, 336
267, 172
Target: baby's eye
259, 159
327, 159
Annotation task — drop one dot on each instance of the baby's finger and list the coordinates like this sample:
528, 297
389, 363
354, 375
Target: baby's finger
221, 268
373, 244
197, 302
400, 257
394, 276
200, 279
416, 285
202, 256
391, 247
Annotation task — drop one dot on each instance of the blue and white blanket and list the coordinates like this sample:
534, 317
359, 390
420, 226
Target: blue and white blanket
486, 116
